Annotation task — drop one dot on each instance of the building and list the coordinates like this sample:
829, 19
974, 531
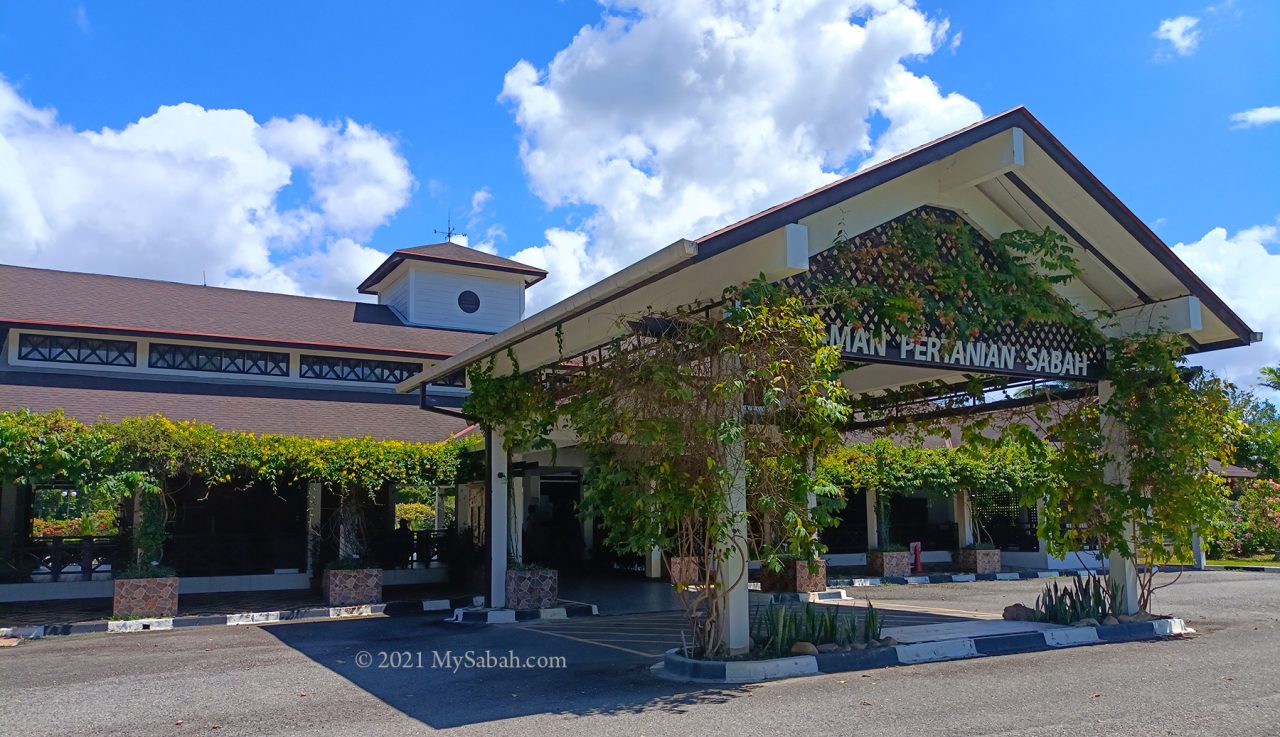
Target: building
111, 347
1005, 173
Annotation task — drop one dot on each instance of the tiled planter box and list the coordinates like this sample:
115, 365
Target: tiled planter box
685, 571
145, 597
537, 588
895, 564
795, 576
980, 561
349, 587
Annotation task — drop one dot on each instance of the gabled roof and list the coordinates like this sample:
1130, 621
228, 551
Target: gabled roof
453, 254
1129, 265
48, 299
824, 197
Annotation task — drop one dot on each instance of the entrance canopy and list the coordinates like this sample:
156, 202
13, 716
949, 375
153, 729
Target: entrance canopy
1004, 173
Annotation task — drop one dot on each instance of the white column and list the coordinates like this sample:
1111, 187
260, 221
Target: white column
964, 519
497, 520
653, 564
1198, 559
735, 604
439, 525
1120, 568
873, 524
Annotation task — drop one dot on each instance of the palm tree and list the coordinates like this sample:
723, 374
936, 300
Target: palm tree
1271, 377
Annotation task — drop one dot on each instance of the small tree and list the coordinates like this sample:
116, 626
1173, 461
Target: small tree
689, 407
1132, 473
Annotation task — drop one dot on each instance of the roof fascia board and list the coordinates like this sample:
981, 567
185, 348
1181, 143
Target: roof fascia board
1134, 226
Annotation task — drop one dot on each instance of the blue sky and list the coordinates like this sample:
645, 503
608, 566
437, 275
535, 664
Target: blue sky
615, 160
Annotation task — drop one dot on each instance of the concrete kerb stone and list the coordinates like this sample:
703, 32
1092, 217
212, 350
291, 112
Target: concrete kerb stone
679, 668
483, 615
159, 624
954, 578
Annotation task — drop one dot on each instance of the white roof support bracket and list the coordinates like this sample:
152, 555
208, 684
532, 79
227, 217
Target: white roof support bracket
793, 256
1179, 315
985, 160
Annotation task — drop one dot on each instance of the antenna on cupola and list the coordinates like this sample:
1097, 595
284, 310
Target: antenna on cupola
449, 232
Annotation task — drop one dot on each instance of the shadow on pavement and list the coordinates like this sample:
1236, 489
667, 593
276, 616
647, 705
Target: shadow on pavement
418, 665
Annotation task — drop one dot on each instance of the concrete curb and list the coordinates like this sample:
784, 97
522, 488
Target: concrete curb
394, 608
678, 668
480, 615
958, 578
1249, 569
781, 597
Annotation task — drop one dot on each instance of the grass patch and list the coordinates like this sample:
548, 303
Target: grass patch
1257, 560
1262, 559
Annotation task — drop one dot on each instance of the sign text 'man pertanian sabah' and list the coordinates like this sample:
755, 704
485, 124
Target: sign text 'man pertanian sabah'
976, 355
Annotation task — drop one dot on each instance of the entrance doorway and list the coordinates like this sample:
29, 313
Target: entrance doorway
552, 530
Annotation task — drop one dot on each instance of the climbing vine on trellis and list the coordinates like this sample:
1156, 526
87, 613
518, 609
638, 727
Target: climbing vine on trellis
684, 403
137, 456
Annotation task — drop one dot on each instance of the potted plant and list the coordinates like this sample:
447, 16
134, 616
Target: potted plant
531, 586
351, 582
147, 591
981, 557
796, 575
890, 560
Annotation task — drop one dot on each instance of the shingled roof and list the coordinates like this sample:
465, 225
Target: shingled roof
44, 298
454, 254
308, 413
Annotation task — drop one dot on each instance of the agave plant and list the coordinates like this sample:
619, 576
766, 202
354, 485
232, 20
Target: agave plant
1086, 598
871, 623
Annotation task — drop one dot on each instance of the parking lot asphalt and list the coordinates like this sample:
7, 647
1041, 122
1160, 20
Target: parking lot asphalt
311, 679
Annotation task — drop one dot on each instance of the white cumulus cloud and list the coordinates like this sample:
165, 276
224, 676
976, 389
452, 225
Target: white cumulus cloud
669, 120
1257, 116
1181, 33
188, 193
1242, 270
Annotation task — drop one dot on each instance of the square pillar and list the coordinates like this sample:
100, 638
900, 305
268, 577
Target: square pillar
964, 519
1199, 560
313, 526
873, 523
735, 603
439, 523
1121, 569
10, 527
498, 517
517, 516
653, 564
